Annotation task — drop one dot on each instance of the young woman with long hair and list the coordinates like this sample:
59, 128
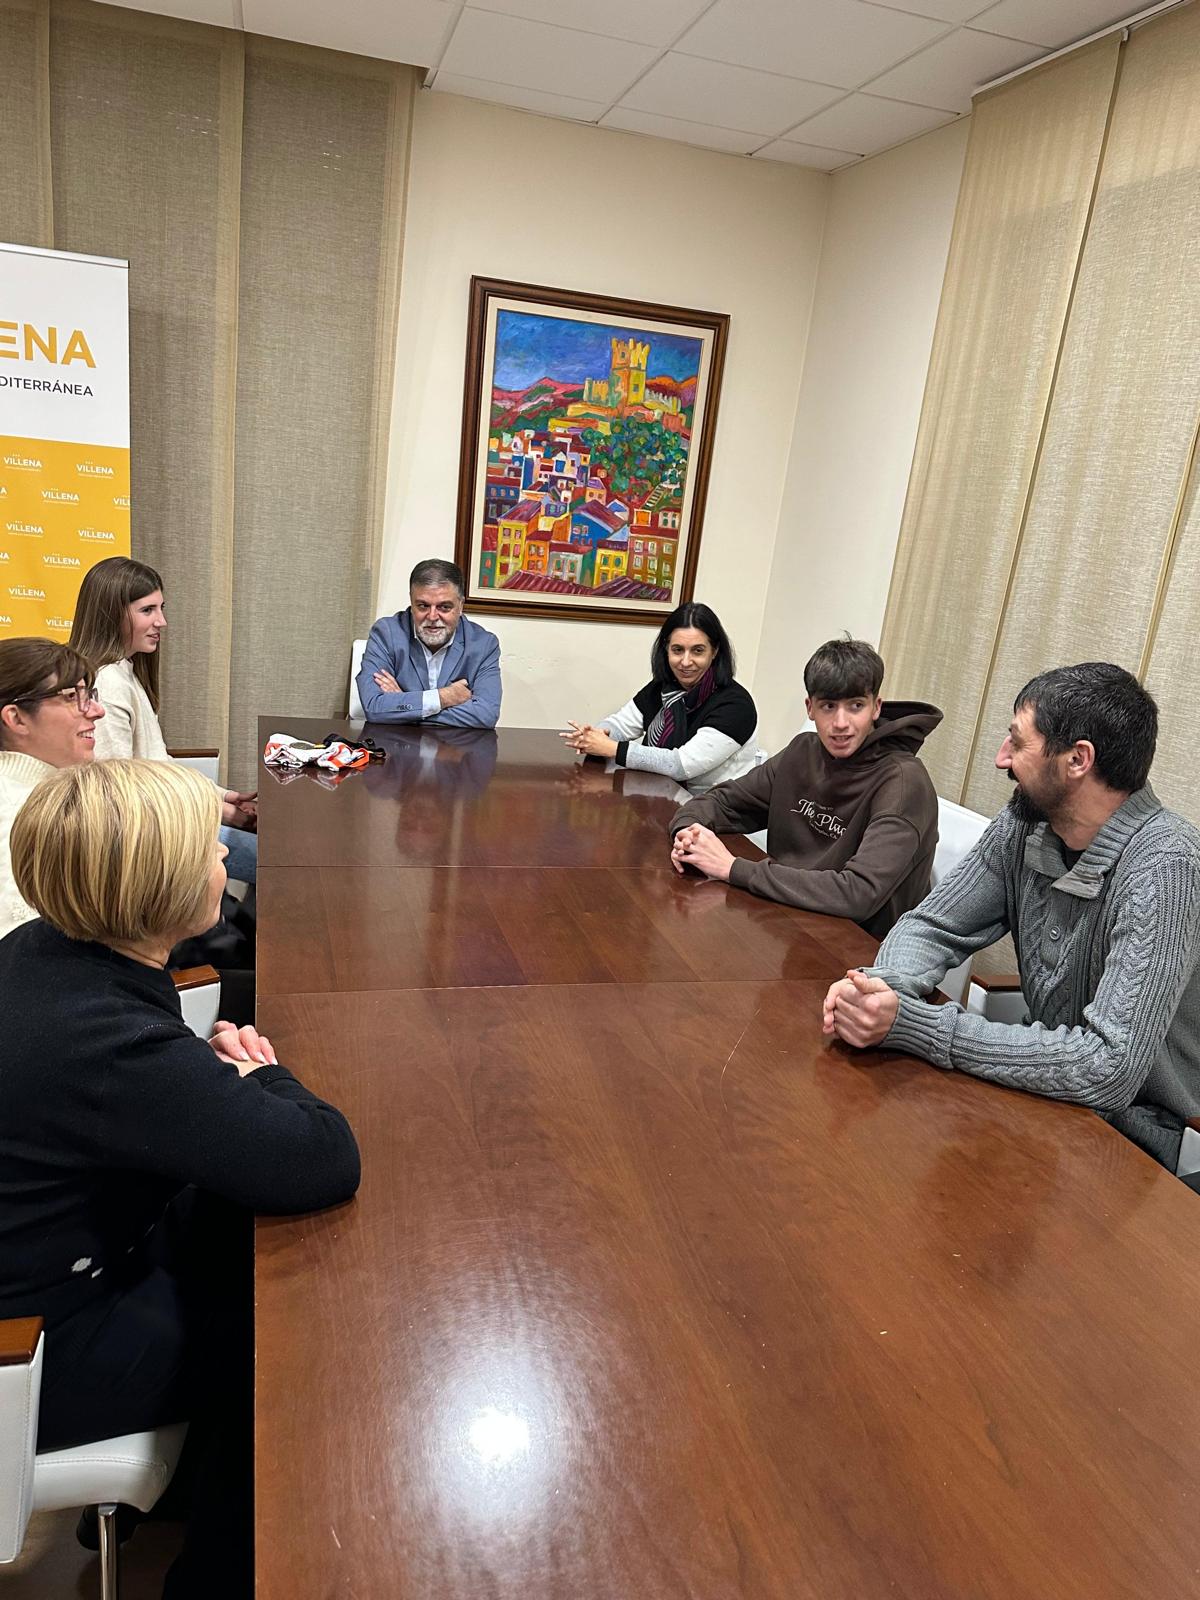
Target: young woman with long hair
692, 722
119, 621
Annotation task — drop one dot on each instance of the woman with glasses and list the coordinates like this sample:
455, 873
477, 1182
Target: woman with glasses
133, 1155
119, 622
48, 718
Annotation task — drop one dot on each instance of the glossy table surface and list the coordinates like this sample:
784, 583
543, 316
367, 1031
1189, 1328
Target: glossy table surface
649, 1292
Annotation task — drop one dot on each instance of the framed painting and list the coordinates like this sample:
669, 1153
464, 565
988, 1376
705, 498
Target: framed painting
587, 441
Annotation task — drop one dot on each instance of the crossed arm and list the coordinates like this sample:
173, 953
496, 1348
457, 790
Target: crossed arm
463, 704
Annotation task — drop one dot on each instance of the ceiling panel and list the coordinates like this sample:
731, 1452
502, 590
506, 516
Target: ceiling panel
413, 32
221, 13
548, 105
826, 41
943, 10
728, 97
733, 143
865, 123
945, 74
1052, 22
657, 22
534, 55
805, 155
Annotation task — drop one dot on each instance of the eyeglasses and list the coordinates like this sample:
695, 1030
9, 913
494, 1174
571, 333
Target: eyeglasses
83, 695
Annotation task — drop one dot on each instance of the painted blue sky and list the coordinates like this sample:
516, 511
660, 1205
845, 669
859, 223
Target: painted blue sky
530, 346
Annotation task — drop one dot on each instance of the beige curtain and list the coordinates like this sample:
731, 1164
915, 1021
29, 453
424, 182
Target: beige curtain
1027, 189
1051, 519
257, 191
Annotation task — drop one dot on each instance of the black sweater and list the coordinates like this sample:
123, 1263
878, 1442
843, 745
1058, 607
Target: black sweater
109, 1105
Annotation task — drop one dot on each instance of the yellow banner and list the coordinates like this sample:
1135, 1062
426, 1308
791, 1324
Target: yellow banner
63, 507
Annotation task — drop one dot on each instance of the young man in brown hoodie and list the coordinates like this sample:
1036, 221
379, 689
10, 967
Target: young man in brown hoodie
850, 812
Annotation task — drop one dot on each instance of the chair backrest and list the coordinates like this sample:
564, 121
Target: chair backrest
21, 1345
958, 832
357, 713
206, 761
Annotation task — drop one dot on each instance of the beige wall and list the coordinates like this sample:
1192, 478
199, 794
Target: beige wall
493, 192
886, 238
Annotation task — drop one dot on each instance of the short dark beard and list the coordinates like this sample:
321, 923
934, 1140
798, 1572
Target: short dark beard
1024, 809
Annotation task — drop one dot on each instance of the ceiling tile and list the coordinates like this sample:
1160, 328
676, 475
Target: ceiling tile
826, 41
221, 13
727, 97
945, 74
943, 10
413, 32
865, 123
805, 155
501, 94
1053, 22
657, 22
733, 143
534, 55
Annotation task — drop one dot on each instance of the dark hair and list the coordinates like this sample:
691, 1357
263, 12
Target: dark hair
842, 669
98, 631
38, 666
428, 573
692, 614
1105, 705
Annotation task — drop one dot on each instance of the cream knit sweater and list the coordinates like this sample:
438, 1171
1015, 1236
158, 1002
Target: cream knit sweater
129, 726
19, 777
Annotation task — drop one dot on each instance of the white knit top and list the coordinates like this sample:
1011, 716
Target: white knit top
19, 777
129, 726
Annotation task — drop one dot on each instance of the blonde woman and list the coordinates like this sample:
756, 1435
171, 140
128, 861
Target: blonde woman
48, 717
132, 1154
118, 627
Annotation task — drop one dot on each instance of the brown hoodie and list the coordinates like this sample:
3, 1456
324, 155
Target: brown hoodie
851, 838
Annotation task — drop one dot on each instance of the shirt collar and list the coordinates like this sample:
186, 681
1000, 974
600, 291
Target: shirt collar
1085, 880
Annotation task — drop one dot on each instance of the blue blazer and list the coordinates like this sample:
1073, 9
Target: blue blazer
473, 654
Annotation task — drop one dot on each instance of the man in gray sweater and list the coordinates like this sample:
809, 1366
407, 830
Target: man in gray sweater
1099, 887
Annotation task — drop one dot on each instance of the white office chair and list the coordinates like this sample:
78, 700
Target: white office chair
357, 713
199, 991
132, 1470
1189, 1150
958, 831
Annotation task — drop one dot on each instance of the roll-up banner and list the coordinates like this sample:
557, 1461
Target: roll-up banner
64, 431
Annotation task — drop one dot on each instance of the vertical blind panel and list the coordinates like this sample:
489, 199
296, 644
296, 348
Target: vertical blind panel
146, 147
25, 200
1171, 677
1119, 434
1031, 164
323, 164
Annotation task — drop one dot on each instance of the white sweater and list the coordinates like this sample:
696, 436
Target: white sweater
19, 777
129, 726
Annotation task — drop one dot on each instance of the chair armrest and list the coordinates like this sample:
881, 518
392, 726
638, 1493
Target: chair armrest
1193, 1123
18, 1340
998, 983
194, 977
191, 755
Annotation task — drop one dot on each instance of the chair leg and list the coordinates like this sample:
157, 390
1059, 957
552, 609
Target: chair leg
109, 1550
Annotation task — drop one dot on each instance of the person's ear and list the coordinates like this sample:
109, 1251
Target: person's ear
1081, 758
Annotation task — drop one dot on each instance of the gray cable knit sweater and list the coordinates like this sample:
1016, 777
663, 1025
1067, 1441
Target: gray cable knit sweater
1109, 956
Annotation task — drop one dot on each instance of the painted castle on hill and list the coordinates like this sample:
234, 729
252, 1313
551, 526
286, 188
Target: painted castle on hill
587, 464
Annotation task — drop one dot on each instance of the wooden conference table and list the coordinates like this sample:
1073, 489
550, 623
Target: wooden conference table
649, 1293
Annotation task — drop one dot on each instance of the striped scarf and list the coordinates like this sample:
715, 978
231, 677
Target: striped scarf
669, 727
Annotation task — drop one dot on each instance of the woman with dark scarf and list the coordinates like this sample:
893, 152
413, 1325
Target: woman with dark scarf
692, 722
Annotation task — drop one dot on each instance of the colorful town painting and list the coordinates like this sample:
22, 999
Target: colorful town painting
585, 491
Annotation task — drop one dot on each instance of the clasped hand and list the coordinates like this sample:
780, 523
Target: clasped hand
240, 810
589, 741
243, 1048
860, 1010
699, 847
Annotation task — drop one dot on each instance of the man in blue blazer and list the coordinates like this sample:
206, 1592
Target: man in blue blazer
430, 663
